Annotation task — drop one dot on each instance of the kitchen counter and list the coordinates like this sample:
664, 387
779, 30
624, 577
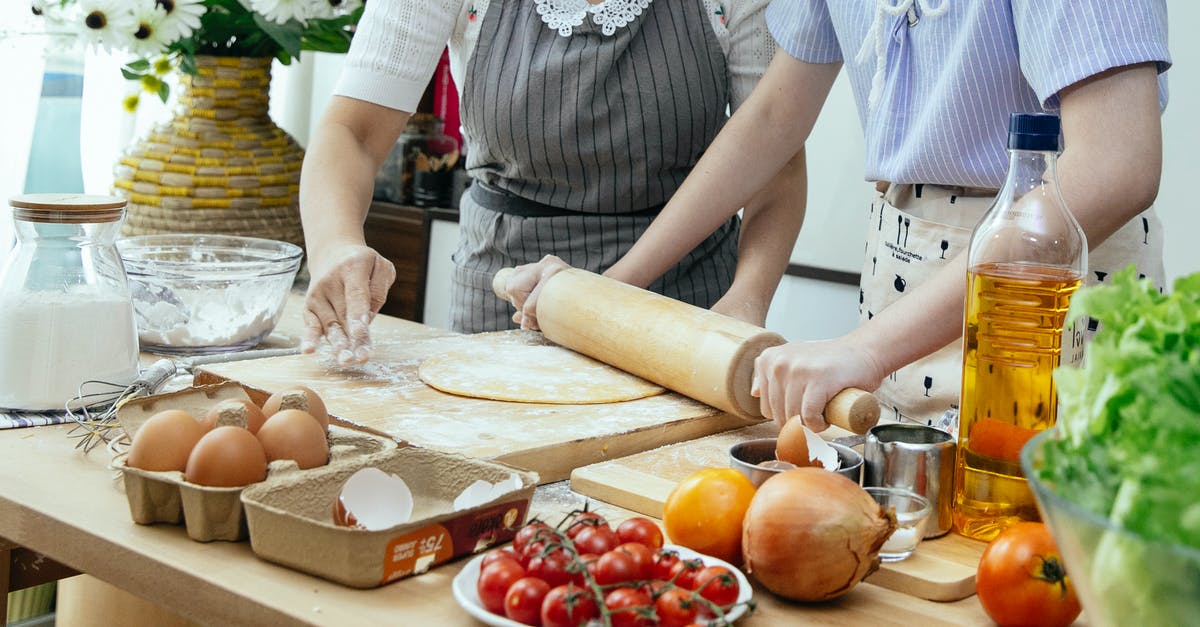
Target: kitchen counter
70, 506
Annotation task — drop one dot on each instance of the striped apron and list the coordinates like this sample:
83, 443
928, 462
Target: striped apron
915, 229
574, 144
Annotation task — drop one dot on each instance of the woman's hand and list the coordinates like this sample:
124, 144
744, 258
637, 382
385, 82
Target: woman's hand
347, 289
799, 378
526, 283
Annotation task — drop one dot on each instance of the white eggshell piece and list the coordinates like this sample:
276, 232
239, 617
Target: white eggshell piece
376, 499
481, 492
820, 450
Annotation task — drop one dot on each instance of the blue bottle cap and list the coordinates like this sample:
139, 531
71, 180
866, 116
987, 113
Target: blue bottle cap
1033, 131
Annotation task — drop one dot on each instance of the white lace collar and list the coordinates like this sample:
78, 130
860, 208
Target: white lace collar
564, 15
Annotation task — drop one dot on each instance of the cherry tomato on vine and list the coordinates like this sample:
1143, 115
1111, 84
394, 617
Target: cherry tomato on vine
643, 558
598, 540
664, 561
717, 584
523, 601
675, 608
643, 530
494, 582
616, 566
629, 607
1022, 580
551, 567
529, 533
684, 573
498, 554
583, 520
568, 606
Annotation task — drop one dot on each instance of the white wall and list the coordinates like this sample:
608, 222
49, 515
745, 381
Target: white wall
1177, 198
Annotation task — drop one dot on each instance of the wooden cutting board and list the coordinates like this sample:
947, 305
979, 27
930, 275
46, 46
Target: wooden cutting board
386, 396
942, 569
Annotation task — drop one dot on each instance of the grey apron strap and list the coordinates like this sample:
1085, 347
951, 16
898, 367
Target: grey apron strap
603, 127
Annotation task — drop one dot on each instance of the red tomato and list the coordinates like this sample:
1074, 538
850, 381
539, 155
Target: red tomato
675, 608
498, 554
568, 606
533, 531
523, 601
629, 607
717, 584
616, 567
664, 561
583, 520
684, 572
654, 588
494, 582
551, 568
589, 560
642, 556
598, 540
1022, 580
643, 530
532, 550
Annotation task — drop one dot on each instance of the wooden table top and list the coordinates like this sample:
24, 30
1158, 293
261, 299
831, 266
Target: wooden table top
70, 506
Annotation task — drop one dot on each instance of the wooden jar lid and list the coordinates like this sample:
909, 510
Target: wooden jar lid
67, 208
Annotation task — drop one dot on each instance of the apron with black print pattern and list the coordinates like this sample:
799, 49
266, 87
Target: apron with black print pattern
913, 230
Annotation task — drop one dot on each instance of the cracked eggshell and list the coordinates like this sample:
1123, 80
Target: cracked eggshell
372, 499
799, 445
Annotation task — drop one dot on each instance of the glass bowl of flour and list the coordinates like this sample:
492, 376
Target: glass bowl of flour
200, 294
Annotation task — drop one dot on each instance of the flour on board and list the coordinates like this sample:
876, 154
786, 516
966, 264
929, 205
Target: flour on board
532, 374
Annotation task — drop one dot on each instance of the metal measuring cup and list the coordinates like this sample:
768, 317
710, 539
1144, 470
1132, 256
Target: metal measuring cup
914, 457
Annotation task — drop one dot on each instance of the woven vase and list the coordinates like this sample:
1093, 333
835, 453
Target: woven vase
220, 165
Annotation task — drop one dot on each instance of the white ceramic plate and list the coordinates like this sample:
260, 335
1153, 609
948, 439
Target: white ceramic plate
466, 595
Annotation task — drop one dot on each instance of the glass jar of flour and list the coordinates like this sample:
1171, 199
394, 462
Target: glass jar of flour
65, 311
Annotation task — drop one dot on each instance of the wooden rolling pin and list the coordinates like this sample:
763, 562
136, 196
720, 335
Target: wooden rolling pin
696, 352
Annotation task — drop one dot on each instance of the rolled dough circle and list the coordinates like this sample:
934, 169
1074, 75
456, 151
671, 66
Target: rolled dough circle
532, 374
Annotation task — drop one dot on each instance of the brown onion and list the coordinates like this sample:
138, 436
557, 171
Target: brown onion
811, 534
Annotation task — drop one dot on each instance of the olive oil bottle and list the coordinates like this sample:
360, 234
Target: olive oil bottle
1027, 257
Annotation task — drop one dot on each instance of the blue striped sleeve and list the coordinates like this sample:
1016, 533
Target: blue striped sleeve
1062, 43
804, 30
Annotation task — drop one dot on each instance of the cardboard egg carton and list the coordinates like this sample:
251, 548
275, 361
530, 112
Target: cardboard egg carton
288, 516
291, 518
210, 513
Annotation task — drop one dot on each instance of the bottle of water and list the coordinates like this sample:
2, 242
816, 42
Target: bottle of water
1027, 257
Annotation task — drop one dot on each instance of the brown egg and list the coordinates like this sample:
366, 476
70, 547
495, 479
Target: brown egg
792, 445
165, 440
296, 435
227, 457
238, 413
298, 397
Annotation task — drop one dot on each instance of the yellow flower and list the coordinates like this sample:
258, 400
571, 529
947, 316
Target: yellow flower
130, 103
163, 66
151, 83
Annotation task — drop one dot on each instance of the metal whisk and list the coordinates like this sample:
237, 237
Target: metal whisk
95, 409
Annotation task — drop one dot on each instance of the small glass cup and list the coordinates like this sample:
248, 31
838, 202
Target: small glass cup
912, 511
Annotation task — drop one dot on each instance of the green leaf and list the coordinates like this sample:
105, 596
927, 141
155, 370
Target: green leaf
289, 36
141, 66
164, 91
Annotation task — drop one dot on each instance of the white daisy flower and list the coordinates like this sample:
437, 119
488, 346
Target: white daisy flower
281, 11
107, 24
149, 37
183, 17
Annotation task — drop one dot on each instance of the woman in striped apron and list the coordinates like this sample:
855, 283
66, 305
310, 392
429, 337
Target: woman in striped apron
580, 120
934, 85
